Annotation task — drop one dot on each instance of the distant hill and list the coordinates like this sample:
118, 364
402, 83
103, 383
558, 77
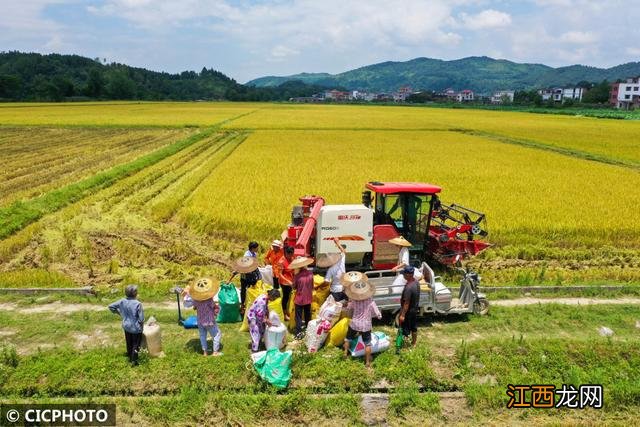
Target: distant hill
481, 74
36, 77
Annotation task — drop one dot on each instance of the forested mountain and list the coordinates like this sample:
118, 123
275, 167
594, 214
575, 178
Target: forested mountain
36, 77
481, 74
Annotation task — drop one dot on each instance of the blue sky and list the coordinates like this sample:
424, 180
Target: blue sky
249, 39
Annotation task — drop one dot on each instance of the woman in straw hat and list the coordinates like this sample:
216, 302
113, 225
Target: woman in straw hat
336, 264
303, 285
258, 317
360, 293
274, 253
202, 293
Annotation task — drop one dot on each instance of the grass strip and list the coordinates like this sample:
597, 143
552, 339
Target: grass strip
555, 149
22, 213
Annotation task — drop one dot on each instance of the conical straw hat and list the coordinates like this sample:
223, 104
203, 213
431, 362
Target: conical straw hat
400, 241
299, 262
245, 264
351, 277
203, 289
327, 260
360, 290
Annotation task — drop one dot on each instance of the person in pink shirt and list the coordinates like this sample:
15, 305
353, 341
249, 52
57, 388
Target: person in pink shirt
303, 285
360, 293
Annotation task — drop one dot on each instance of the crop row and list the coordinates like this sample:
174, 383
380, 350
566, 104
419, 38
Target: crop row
49, 168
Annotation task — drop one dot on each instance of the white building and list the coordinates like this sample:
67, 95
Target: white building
626, 94
501, 96
464, 96
561, 94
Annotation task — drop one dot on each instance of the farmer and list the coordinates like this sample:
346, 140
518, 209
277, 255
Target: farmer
403, 260
285, 278
360, 293
303, 285
258, 317
202, 293
409, 305
130, 309
249, 277
336, 264
272, 257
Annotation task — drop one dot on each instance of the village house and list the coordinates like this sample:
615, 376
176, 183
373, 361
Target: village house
502, 96
562, 94
625, 95
464, 96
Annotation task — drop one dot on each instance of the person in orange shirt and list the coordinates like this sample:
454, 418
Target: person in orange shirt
285, 278
273, 256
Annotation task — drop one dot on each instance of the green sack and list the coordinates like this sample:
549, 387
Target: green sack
229, 304
275, 367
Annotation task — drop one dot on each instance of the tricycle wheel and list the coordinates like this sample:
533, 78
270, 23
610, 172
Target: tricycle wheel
481, 306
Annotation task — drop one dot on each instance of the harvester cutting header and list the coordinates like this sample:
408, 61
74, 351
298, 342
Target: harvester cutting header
444, 233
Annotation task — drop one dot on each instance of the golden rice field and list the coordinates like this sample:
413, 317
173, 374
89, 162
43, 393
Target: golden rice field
553, 214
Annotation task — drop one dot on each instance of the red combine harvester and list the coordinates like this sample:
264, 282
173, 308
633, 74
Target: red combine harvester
438, 232
443, 233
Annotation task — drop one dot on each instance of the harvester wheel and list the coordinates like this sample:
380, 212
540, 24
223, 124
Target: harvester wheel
481, 306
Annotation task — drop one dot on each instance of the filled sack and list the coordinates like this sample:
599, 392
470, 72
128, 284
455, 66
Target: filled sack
330, 310
379, 343
275, 336
152, 338
317, 331
274, 366
292, 310
229, 304
266, 274
321, 291
338, 333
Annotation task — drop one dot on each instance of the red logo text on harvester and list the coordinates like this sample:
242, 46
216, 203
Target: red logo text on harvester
548, 396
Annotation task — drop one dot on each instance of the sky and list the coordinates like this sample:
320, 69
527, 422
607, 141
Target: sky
249, 39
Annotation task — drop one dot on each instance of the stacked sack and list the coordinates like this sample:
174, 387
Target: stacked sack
318, 329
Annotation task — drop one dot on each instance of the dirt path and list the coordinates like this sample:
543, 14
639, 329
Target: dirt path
565, 301
66, 308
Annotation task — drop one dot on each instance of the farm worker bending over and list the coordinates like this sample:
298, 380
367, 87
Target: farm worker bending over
258, 317
303, 285
202, 293
272, 257
403, 260
285, 278
250, 278
360, 293
130, 309
336, 264
410, 305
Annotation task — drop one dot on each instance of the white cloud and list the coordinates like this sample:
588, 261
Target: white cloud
634, 51
486, 19
578, 37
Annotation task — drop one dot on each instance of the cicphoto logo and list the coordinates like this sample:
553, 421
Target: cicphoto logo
59, 415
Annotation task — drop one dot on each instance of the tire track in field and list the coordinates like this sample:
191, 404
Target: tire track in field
570, 152
166, 205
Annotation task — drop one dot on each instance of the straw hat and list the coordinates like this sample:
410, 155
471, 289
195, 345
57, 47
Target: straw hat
277, 243
327, 260
245, 264
299, 262
400, 241
351, 277
360, 290
203, 289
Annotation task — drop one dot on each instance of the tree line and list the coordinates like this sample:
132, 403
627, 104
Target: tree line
54, 77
